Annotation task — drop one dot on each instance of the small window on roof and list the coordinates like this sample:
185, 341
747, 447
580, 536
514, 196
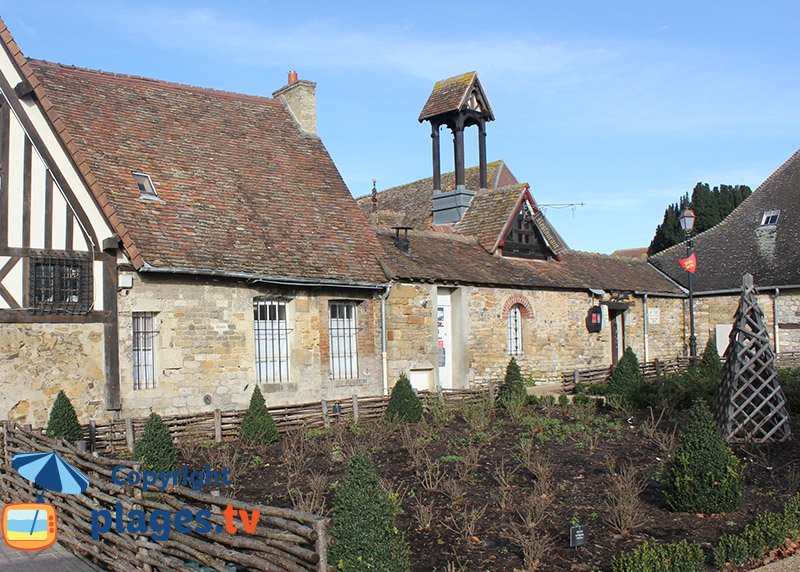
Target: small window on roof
770, 218
145, 184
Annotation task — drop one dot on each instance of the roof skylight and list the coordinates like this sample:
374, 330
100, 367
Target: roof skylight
770, 218
145, 185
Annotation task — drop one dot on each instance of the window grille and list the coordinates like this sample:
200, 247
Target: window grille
343, 338
61, 283
272, 341
515, 331
144, 350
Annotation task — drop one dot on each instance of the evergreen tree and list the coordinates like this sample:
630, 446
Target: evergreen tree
513, 389
63, 420
404, 405
155, 449
365, 525
258, 427
703, 475
711, 366
710, 208
626, 379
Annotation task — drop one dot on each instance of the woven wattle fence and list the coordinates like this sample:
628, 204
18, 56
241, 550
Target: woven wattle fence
750, 404
284, 540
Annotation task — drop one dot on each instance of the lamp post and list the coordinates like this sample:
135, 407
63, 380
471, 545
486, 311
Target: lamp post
686, 219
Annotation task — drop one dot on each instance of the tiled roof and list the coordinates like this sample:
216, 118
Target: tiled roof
450, 95
411, 204
243, 189
741, 244
635, 253
451, 259
488, 212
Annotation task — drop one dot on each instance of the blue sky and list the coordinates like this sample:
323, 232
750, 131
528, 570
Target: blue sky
623, 106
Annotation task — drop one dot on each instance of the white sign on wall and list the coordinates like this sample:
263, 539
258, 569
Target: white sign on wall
654, 315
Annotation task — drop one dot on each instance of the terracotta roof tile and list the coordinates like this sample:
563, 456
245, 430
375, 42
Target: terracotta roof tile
450, 95
453, 259
244, 189
488, 213
412, 204
741, 244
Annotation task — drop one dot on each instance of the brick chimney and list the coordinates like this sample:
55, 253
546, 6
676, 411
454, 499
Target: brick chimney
299, 98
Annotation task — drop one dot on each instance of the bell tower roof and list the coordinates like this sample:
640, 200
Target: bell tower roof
457, 94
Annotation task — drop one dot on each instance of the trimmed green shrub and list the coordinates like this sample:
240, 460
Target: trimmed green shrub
682, 556
710, 366
258, 427
63, 420
789, 378
513, 388
626, 379
791, 513
364, 524
155, 449
768, 532
703, 475
404, 405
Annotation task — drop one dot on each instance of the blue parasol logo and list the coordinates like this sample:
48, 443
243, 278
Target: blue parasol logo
51, 472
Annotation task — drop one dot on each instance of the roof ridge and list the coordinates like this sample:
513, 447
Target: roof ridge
415, 181
70, 144
720, 224
143, 79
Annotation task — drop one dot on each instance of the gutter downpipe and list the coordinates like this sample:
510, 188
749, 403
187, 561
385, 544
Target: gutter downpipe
775, 320
645, 319
384, 353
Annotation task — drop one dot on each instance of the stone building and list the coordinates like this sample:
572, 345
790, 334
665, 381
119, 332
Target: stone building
479, 274
169, 247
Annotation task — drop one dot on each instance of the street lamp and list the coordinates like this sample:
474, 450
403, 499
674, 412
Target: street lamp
686, 219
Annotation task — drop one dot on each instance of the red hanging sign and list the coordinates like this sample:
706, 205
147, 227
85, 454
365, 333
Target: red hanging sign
689, 263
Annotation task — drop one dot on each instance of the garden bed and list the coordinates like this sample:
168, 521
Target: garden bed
465, 483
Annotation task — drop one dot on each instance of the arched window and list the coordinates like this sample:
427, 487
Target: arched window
514, 331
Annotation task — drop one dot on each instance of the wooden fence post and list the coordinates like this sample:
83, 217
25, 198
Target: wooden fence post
355, 407
576, 379
218, 426
491, 393
325, 421
92, 435
658, 367
320, 527
129, 433
440, 394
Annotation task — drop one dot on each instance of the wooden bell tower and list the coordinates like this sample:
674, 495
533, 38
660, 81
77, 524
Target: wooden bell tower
457, 102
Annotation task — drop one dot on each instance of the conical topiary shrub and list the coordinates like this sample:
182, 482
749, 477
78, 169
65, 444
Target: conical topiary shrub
711, 366
155, 449
63, 420
404, 405
703, 475
512, 391
626, 379
258, 427
364, 524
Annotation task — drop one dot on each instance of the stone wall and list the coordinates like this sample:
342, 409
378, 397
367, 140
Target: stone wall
36, 360
205, 348
411, 331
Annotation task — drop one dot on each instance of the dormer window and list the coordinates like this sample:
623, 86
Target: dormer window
770, 218
145, 185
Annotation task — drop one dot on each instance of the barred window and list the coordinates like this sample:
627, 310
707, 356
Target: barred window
144, 350
343, 338
61, 283
272, 341
515, 330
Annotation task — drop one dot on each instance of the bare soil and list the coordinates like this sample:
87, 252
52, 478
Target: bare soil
586, 454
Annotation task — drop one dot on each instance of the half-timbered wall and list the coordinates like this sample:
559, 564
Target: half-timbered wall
58, 321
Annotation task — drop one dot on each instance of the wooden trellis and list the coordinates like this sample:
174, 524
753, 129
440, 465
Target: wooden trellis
750, 404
